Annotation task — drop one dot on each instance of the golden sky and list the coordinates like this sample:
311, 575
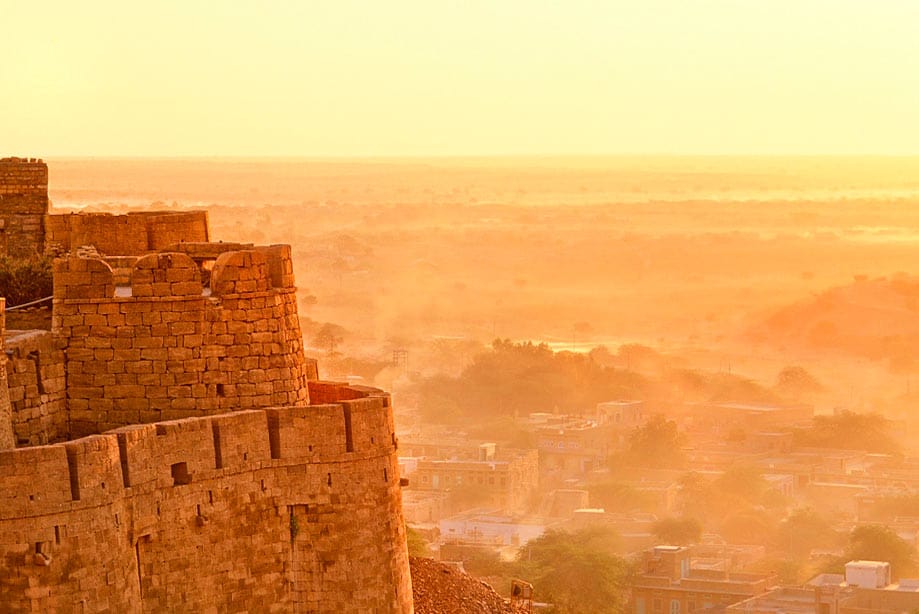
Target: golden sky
428, 77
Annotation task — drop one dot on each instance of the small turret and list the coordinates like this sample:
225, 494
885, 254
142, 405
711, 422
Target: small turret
23, 206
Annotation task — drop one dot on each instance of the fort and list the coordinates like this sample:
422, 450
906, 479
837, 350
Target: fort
166, 445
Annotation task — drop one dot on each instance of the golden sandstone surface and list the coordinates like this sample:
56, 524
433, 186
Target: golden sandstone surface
166, 446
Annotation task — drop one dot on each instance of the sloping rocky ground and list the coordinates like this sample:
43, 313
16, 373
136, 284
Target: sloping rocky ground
441, 589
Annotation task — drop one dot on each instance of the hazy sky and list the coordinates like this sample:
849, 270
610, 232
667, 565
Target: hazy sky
406, 77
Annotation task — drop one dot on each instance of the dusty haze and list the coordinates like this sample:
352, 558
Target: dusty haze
701, 258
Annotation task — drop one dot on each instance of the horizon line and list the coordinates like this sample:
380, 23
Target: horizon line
483, 156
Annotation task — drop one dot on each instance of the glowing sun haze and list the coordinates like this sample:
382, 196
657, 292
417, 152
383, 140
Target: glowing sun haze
347, 78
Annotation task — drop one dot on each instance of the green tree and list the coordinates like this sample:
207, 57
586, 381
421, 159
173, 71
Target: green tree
677, 531
870, 432
576, 572
23, 280
875, 542
329, 336
417, 544
802, 531
656, 444
617, 497
795, 382
518, 378
744, 482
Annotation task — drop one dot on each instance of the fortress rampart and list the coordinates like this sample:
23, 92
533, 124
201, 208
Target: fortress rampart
282, 509
166, 347
27, 227
37, 388
118, 235
177, 451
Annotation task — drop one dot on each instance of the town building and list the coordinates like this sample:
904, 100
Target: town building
667, 582
503, 478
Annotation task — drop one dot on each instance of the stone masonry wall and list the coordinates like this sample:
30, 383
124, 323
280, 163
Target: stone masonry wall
166, 348
23, 205
204, 480
6, 411
133, 234
37, 388
293, 509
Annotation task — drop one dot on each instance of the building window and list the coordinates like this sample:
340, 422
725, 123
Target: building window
657, 605
674, 606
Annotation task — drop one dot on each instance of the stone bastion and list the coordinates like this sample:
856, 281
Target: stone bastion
166, 446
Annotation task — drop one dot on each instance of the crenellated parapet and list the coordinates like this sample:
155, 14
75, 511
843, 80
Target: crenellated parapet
131, 234
187, 457
168, 347
169, 507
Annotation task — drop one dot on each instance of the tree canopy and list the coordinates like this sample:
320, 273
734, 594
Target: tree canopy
870, 432
25, 279
656, 444
875, 542
519, 378
802, 531
577, 572
515, 379
678, 531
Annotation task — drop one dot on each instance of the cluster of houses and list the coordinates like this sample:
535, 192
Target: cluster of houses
466, 494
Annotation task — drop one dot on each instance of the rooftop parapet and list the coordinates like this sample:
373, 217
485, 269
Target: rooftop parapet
240, 273
178, 274
24, 176
133, 234
168, 274
83, 278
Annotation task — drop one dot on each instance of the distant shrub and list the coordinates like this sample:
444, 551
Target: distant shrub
25, 279
417, 544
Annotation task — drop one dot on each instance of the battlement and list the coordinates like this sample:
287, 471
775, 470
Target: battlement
176, 274
288, 486
23, 177
167, 347
97, 469
132, 234
200, 464
36, 387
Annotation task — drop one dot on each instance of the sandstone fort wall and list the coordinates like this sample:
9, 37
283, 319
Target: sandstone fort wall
6, 409
130, 234
285, 509
201, 467
165, 348
37, 388
23, 205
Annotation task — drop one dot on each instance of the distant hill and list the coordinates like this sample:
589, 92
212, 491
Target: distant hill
873, 318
